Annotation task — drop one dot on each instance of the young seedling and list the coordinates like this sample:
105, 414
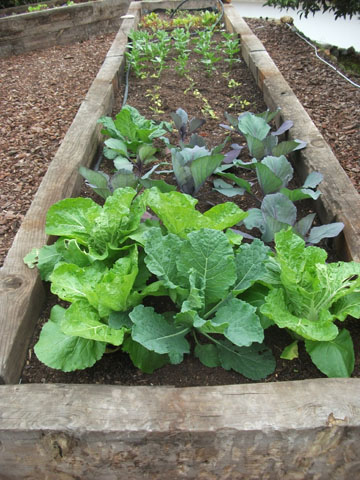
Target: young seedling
231, 47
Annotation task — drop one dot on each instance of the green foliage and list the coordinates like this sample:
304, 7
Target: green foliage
38, 7
309, 295
340, 8
132, 150
97, 265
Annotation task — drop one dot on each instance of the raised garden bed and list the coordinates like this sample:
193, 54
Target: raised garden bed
59, 26
200, 427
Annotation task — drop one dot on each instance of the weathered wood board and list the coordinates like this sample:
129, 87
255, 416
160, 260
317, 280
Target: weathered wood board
59, 26
288, 431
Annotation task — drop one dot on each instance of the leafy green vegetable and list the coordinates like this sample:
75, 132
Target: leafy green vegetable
63, 352
313, 294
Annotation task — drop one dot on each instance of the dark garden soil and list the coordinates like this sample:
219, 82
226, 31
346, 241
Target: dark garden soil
207, 96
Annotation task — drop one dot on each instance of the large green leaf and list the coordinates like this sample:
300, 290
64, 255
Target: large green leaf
203, 167
45, 259
254, 362
161, 253
115, 287
250, 261
347, 305
60, 351
269, 182
250, 124
276, 308
177, 212
334, 358
82, 320
72, 218
155, 333
144, 359
224, 215
210, 255
71, 283
207, 354
244, 325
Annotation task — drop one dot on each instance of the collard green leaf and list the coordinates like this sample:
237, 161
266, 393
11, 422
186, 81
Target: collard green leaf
210, 255
155, 333
334, 358
244, 325
207, 354
161, 253
256, 296
82, 320
144, 359
250, 261
119, 320
254, 362
63, 352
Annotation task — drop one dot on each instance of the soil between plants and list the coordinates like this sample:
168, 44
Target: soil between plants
156, 99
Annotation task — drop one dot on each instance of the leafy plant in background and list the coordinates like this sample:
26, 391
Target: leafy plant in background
186, 127
260, 141
37, 8
277, 210
231, 47
132, 150
307, 295
193, 165
204, 46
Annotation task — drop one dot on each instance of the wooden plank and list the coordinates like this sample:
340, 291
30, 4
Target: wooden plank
21, 292
59, 26
290, 430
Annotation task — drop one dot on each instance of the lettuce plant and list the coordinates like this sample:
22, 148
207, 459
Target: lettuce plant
102, 264
307, 295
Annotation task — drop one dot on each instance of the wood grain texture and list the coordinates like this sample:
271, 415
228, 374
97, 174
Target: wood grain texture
59, 26
292, 430
21, 292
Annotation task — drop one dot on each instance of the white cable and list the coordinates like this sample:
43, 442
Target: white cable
320, 58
